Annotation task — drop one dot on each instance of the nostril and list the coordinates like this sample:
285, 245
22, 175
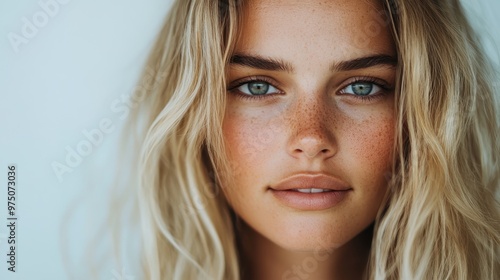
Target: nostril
312, 146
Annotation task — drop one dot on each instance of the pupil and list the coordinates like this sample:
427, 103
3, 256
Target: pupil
258, 88
362, 88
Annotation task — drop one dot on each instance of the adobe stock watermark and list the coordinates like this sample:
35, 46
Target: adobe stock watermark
74, 156
31, 26
94, 137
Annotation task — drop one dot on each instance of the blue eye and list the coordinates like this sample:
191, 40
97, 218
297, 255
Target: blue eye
362, 89
257, 88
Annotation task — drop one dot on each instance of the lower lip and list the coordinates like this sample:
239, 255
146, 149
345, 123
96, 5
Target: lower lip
310, 201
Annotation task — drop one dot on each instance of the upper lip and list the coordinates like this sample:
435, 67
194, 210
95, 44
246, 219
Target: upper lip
309, 181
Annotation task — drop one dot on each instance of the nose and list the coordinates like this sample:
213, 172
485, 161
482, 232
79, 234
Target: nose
312, 147
312, 130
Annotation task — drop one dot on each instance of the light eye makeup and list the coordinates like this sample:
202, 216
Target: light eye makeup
255, 88
361, 88
365, 88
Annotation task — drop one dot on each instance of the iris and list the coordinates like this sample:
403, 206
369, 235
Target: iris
362, 88
258, 88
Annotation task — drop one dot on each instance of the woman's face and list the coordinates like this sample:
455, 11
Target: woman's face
310, 106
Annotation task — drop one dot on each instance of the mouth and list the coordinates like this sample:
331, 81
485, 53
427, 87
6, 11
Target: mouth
310, 192
307, 183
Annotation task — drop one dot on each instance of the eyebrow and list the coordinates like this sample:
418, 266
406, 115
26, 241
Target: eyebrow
365, 62
271, 64
259, 62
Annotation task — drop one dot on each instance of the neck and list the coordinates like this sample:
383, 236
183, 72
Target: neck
264, 260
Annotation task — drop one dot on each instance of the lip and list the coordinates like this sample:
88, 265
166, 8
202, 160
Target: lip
285, 193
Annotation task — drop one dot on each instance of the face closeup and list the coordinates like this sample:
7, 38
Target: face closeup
310, 105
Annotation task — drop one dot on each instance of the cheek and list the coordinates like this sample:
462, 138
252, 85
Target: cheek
250, 141
249, 138
370, 147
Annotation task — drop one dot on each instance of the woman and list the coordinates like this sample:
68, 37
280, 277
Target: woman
319, 140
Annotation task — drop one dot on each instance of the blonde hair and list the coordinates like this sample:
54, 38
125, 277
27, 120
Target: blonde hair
440, 219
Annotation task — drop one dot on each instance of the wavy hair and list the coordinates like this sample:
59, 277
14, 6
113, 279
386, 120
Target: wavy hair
440, 218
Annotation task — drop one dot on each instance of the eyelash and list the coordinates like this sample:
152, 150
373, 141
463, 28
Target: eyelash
250, 80
383, 86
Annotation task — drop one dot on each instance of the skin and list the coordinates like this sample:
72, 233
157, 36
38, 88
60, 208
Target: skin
310, 122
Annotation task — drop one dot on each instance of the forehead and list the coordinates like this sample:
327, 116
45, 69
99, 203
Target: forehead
342, 28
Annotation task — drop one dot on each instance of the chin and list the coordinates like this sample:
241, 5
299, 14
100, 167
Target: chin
317, 234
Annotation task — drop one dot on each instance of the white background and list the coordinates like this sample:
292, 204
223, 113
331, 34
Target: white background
63, 81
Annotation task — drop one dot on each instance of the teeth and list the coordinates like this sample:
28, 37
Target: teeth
317, 190
312, 190
304, 190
